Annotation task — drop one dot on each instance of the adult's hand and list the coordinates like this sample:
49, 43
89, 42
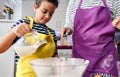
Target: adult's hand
65, 30
116, 23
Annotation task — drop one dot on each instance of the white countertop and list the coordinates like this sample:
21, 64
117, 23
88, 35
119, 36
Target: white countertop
5, 20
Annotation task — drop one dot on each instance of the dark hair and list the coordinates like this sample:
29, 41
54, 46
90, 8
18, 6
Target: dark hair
38, 2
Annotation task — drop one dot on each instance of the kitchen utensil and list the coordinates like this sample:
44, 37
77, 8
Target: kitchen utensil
59, 67
28, 44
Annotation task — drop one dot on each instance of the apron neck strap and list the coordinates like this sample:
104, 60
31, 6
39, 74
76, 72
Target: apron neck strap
31, 21
104, 2
48, 30
80, 3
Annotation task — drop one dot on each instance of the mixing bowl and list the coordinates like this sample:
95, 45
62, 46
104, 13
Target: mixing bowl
59, 67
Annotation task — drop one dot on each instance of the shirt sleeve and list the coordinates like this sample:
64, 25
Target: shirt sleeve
15, 24
114, 6
117, 8
70, 12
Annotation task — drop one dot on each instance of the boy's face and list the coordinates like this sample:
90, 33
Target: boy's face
44, 12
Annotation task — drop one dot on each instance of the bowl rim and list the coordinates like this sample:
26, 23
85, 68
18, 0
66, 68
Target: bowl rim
84, 63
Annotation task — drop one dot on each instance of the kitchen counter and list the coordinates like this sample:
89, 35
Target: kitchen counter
7, 21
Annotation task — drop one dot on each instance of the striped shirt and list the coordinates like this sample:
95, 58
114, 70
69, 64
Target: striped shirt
37, 27
114, 6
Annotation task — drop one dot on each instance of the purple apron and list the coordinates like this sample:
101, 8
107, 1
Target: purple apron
93, 39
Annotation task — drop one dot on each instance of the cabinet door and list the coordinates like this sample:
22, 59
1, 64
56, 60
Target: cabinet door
65, 52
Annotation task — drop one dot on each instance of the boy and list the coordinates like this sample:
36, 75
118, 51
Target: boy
44, 10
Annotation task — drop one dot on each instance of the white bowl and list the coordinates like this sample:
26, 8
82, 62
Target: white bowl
59, 67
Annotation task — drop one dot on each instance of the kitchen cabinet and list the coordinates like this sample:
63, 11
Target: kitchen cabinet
64, 51
7, 58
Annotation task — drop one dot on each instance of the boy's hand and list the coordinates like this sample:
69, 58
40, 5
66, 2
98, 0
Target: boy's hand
21, 29
116, 22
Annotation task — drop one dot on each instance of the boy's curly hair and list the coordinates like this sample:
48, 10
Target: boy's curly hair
55, 2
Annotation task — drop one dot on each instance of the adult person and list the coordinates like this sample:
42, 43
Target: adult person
93, 34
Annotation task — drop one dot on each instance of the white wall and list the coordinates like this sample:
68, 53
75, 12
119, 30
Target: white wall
18, 10
7, 58
25, 7
58, 19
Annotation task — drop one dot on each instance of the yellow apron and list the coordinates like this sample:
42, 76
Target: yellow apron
24, 68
